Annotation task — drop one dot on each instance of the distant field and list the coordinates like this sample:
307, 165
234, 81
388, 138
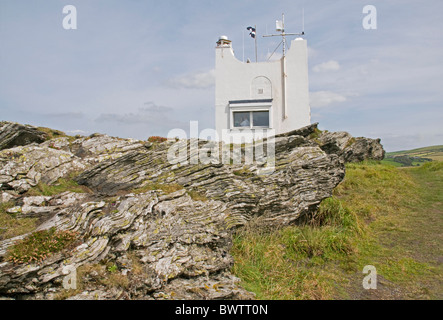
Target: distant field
433, 152
416, 156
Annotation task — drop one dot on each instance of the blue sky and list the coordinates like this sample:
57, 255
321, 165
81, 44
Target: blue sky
140, 68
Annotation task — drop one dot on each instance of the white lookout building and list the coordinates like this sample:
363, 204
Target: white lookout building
261, 95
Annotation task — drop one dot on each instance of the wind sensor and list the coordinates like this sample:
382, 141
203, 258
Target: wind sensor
280, 27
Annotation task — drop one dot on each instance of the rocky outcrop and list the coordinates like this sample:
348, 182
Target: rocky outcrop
24, 167
347, 147
350, 149
15, 134
303, 176
149, 228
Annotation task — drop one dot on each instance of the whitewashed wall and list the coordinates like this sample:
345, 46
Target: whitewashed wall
236, 80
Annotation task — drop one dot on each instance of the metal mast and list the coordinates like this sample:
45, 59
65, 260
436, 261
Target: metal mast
280, 26
255, 38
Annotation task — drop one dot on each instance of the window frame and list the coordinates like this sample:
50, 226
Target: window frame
250, 107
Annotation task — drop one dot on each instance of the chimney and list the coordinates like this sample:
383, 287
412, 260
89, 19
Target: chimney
223, 42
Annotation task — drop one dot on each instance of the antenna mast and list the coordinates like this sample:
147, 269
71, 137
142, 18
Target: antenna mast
303, 21
280, 26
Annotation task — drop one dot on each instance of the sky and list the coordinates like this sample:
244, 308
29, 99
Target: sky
135, 69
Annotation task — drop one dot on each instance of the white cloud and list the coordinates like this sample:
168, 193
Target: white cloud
330, 65
320, 99
201, 80
77, 131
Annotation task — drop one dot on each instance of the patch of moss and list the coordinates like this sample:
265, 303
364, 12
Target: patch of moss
243, 173
197, 196
166, 188
350, 142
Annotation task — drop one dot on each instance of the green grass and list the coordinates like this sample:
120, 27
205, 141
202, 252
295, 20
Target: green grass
62, 185
390, 161
53, 134
315, 135
11, 225
379, 215
287, 264
268, 267
39, 245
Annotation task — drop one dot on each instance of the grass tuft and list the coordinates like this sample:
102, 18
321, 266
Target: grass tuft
41, 244
157, 139
62, 185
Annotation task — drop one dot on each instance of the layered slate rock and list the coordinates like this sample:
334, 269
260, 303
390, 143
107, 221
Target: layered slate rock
182, 245
350, 149
164, 227
302, 177
23, 167
15, 134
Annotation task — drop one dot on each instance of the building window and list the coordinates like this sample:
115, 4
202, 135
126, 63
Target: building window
260, 118
251, 119
242, 119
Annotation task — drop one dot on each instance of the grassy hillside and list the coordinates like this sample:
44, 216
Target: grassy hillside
433, 152
414, 157
379, 215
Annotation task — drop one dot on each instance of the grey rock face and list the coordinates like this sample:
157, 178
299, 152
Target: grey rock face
182, 245
143, 217
349, 148
364, 149
23, 167
303, 176
14, 134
